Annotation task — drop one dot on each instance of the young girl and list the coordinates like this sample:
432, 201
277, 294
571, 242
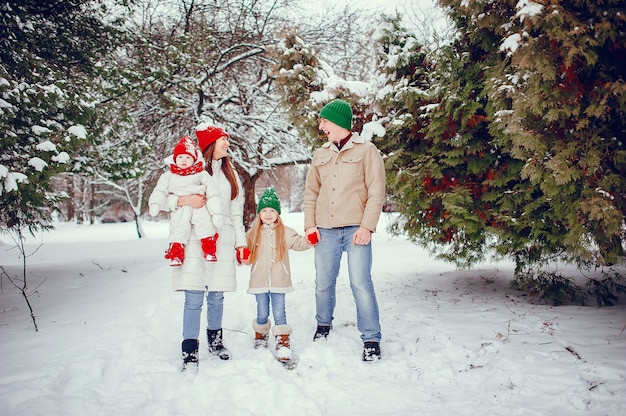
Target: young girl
269, 241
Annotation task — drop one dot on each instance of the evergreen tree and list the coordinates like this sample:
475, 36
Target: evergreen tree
443, 172
559, 105
48, 54
514, 144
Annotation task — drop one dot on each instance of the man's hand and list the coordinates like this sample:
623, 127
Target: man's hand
362, 237
312, 235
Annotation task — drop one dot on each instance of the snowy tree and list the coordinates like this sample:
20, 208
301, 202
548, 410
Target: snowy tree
307, 82
513, 145
207, 61
48, 52
559, 102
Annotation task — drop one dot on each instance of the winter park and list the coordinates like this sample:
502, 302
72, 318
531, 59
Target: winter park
488, 136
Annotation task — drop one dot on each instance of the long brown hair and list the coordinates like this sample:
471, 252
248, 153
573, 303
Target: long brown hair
227, 168
254, 239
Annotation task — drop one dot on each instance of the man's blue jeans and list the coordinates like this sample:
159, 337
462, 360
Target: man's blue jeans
193, 309
328, 252
263, 308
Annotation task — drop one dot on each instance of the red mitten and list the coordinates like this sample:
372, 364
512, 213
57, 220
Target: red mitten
241, 257
209, 248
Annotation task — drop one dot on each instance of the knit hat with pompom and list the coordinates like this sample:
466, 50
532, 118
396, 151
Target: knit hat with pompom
186, 146
269, 199
208, 134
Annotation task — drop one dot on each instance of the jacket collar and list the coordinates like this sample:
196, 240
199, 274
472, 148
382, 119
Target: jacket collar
354, 139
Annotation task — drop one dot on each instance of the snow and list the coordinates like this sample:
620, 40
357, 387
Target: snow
37, 163
371, 129
62, 157
46, 146
11, 179
511, 43
527, 8
454, 342
39, 130
78, 130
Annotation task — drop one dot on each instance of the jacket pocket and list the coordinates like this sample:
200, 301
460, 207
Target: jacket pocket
323, 166
352, 166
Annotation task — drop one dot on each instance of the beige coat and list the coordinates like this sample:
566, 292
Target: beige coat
196, 273
345, 187
268, 275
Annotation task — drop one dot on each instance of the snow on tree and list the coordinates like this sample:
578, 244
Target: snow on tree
204, 61
559, 98
514, 144
47, 55
307, 83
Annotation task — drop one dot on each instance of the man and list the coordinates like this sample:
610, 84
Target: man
343, 199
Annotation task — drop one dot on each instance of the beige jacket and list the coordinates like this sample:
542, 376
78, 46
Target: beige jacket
345, 187
268, 275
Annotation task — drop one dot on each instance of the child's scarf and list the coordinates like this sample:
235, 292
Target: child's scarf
191, 170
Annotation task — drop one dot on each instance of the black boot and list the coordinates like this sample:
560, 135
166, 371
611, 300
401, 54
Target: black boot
371, 351
321, 332
216, 346
190, 352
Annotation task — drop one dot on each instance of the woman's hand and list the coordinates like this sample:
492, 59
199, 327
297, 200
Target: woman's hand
243, 255
194, 201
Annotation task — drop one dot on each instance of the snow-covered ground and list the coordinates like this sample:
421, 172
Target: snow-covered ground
454, 342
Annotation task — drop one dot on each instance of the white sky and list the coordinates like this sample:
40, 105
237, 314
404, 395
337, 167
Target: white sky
417, 13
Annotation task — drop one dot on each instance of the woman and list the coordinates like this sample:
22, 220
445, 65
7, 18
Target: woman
196, 277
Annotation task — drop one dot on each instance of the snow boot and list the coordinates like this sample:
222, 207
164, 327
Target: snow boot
321, 332
190, 351
175, 253
209, 248
283, 345
371, 351
216, 346
261, 333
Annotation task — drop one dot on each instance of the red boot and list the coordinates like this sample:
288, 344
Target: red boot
175, 253
209, 247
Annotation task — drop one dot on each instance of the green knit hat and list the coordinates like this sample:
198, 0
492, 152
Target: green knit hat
269, 199
338, 112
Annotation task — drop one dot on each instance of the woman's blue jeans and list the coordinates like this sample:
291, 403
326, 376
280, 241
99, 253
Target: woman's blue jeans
328, 252
263, 308
193, 309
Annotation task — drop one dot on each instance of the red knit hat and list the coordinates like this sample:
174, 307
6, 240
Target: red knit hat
207, 134
186, 146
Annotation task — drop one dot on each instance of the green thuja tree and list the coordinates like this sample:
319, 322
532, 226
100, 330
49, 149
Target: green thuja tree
559, 105
503, 212
513, 142
455, 188
48, 55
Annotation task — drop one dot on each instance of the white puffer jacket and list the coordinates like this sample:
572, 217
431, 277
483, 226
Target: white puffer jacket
220, 276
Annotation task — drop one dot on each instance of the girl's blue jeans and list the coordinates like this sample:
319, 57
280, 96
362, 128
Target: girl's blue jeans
263, 308
328, 252
193, 309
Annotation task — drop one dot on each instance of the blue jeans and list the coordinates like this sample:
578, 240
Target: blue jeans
193, 308
263, 308
328, 252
